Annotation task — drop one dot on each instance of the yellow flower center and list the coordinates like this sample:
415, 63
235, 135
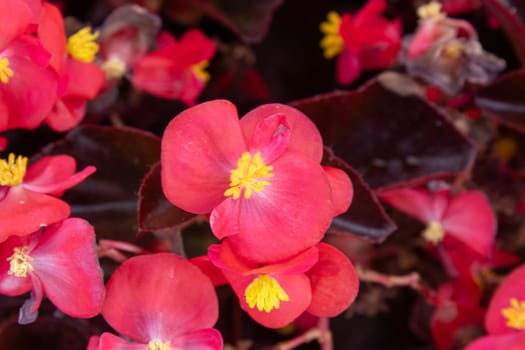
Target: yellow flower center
12, 170
82, 46
200, 72
265, 293
430, 10
453, 51
5, 71
434, 232
515, 314
20, 262
158, 345
114, 68
332, 43
247, 176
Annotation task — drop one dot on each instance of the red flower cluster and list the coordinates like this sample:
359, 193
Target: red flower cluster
260, 181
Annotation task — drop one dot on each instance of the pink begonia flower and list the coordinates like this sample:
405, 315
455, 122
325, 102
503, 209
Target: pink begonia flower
365, 41
321, 280
59, 261
159, 302
467, 217
23, 61
177, 69
505, 317
259, 177
28, 196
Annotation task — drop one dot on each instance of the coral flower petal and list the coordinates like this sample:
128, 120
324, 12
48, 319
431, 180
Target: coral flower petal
168, 297
342, 189
334, 282
199, 149
10, 284
52, 34
348, 67
304, 137
15, 16
202, 339
290, 215
513, 341
108, 341
470, 219
418, 203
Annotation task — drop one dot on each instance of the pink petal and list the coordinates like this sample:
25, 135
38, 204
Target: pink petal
23, 212
200, 147
54, 174
169, 297
202, 339
425, 36
512, 287
210, 270
304, 137
52, 34
290, 215
93, 343
85, 80
348, 67
108, 341
195, 47
66, 262
28, 312
15, 16
514, 341
66, 114
270, 137
342, 189
470, 219
334, 282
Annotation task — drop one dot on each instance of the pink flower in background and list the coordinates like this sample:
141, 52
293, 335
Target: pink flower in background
28, 194
159, 301
467, 217
365, 41
260, 178
59, 261
177, 69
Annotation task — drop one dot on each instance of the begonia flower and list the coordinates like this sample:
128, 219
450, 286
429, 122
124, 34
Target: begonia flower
505, 317
467, 217
23, 61
28, 194
178, 69
446, 52
365, 41
259, 177
321, 280
159, 302
59, 261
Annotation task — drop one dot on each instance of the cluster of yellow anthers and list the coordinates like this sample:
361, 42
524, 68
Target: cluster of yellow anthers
430, 10
200, 72
5, 71
158, 345
515, 314
332, 43
434, 232
12, 170
82, 46
247, 176
20, 262
265, 293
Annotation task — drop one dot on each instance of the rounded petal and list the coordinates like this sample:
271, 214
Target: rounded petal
304, 137
202, 339
168, 297
470, 219
514, 341
286, 217
66, 114
334, 282
15, 16
419, 203
66, 262
342, 189
200, 147
52, 34
348, 67
85, 80
513, 287
108, 341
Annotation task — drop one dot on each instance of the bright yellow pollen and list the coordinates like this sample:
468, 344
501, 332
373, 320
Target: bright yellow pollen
20, 262
332, 43
158, 345
430, 10
515, 314
114, 68
82, 46
5, 71
247, 174
200, 72
434, 232
12, 170
453, 51
265, 293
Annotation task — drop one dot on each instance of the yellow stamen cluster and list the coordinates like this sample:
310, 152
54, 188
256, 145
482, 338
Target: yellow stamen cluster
265, 293
12, 170
5, 71
82, 46
158, 345
434, 232
332, 43
430, 10
515, 314
247, 176
20, 262
200, 72
114, 68
453, 51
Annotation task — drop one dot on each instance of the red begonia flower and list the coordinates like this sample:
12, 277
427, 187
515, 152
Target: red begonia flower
365, 41
467, 217
320, 280
260, 178
160, 301
27, 198
59, 261
177, 70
